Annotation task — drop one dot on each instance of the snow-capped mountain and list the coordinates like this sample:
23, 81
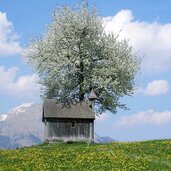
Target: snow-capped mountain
3, 117
23, 126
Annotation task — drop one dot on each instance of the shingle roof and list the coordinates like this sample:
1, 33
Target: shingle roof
52, 109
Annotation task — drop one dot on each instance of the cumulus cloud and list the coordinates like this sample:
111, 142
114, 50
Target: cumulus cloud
102, 117
150, 40
145, 117
24, 86
154, 88
9, 44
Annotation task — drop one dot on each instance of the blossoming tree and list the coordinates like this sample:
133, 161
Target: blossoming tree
75, 55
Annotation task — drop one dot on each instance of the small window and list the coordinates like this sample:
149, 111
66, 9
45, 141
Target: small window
73, 125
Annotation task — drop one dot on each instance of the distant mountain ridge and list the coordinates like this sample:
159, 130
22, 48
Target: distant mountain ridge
107, 139
23, 126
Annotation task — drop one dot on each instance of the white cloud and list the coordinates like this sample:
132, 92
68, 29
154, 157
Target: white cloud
155, 88
24, 86
151, 40
145, 117
9, 44
102, 117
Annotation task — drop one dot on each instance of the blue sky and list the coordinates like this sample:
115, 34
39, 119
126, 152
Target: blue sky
147, 25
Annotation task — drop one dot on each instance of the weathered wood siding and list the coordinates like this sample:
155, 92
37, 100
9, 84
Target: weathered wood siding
69, 129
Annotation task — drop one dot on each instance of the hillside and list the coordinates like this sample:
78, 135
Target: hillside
147, 155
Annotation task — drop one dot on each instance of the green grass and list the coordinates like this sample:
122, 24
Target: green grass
148, 155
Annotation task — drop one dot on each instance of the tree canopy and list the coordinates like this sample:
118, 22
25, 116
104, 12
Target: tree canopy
75, 54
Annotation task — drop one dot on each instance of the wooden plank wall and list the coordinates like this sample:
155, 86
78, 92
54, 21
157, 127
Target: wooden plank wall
69, 129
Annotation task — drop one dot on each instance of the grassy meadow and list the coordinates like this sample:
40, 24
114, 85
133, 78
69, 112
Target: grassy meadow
147, 155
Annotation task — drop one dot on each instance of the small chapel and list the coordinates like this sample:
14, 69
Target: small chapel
69, 123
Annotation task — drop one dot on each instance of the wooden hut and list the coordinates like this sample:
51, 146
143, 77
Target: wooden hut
74, 123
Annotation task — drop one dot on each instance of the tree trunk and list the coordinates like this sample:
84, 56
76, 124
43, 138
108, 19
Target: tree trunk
81, 82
